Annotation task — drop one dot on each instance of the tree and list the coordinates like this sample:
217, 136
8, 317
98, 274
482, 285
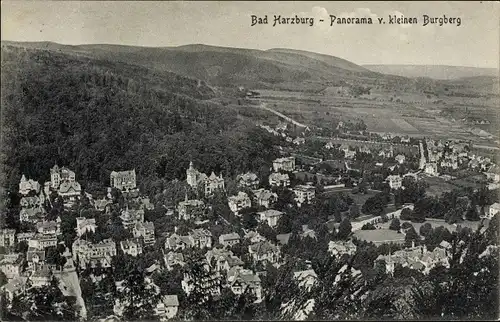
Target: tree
354, 211
425, 229
368, 226
344, 229
411, 237
406, 214
45, 303
140, 299
395, 224
3, 279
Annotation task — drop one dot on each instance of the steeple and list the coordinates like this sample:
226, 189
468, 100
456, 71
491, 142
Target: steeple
23, 178
191, 165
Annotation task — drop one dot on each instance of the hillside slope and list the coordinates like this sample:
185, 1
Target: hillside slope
223, 66
442, 72
96, 116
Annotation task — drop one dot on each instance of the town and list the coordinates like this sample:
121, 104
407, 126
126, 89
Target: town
123, 254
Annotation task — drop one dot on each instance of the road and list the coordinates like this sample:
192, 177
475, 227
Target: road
289, 119
70, 280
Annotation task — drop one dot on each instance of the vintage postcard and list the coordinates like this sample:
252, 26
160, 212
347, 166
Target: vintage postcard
232, 160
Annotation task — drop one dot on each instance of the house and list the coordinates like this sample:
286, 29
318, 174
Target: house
431, 169
41, 241
41, 276
238, 202
270, 216
123, 180
132, 247
189, 209
418, 258
24, 236
222, 260
146, 203
49, 227
168, 307
395, 182
31, 202
84, 225
25, 186
15, 287
146, 230
304, 194
264, 252
277, 179
202, 238
32, 215
194, 178
35, 258
213, 183
299, 141
387, 153
264, 198
229, 239
493, 210
103, 204
284, 164
177, 242
254, 237
348, 153
7, 237
307, 232
400, 158
70, 191
306, 279
339, 248
172, 259
11, 265
91, 253
240, 280
60, 175
130, 217
247, 180
283, 238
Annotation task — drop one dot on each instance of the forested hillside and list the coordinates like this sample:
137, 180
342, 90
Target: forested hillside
96, 116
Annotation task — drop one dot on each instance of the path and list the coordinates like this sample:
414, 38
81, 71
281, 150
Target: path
289, 119
72, 288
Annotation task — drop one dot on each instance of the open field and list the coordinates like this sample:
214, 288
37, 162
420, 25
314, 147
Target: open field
437, 186
380, 236
416, 116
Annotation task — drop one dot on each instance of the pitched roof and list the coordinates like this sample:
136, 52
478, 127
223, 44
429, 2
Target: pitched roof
270, 213
170, 300
231, 236
68, 186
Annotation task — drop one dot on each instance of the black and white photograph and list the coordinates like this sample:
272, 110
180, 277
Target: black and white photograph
253, 161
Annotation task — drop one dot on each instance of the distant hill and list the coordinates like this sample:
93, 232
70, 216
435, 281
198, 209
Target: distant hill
224, 66
442, 72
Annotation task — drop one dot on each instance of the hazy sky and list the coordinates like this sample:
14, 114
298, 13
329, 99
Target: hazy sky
474, 43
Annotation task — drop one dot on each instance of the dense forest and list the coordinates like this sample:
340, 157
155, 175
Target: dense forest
96, 116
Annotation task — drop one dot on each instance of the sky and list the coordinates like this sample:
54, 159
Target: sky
157, 24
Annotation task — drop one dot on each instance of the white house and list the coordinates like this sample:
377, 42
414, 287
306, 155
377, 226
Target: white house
270, 216
304, 194
394, 181
229, 239
238, 202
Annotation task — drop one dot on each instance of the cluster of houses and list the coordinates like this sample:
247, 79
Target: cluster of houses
223, 269
417, 258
